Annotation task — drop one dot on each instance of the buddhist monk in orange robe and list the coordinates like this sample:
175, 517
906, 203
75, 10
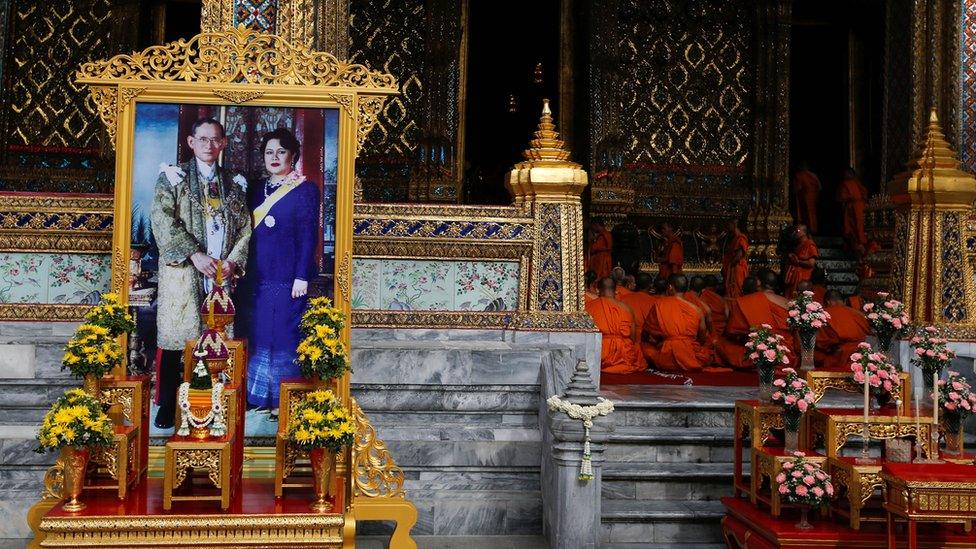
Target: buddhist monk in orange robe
677, 329
853, 196
716, 303
735, 261
672, 253
640, 301
855, 302
802, 261
599, 253
806, 191
619, 276
695, 286
750, 311
840, 337
615, 320
590, 293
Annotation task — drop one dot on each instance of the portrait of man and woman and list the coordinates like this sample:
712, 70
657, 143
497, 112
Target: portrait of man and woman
246, 190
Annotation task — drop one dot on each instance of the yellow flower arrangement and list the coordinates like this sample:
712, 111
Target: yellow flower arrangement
320, 421
92, 350
75, 419
322, 352
111, 314
320, 312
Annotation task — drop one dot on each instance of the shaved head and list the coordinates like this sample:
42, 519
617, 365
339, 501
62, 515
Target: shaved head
644, 281
679, 283
697, 283
711, 281
607, 287
750, 285
768, 279
660, 286
618, 274
804, 286
833, 297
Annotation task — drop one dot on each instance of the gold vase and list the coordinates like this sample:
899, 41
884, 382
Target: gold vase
75, 461
953, 432
201, 401
93, 386
323, 475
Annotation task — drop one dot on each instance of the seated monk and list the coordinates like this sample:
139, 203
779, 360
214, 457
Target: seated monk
620, 279
838, 340
677, 331
716, 303
640, 300
590, 293
750, 285
695, 286
750, 311
615, 320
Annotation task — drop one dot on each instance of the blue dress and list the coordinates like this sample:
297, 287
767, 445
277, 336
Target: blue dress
282, 250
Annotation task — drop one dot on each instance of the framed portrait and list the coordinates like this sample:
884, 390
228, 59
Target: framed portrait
234, 178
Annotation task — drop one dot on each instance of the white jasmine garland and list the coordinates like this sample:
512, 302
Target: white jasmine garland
585, 414
215, 418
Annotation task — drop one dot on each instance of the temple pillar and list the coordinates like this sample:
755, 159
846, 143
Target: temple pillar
932, 206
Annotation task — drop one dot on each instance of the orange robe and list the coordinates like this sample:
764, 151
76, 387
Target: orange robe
696, 300
746, 313
623, 292
620, 354
795, 273
853, 195
599, 257
716, 303
588, 297
819, 292
806, 187
840, 338
672, 257
855, 302
676, 322
640, 303
734, 273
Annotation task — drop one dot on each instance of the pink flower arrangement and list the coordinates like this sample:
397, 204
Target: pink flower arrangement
882, 375
804, 482
931, 351
887, 318
795, 396
956, 398
766, 348
806, 316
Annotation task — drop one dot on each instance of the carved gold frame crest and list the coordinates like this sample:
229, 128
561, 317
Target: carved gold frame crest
241, 66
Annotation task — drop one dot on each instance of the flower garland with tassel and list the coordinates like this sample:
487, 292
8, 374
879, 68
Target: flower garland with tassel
215, 418
585, 414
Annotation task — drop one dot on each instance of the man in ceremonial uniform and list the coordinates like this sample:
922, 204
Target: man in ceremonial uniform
735, 261
748, 312
599, 253
677, 330
853, 196
801, 261
841, 336
672, 253
198, 218
806, 192
615, 320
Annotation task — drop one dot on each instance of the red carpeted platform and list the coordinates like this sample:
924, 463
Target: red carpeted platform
652, 377
746, 526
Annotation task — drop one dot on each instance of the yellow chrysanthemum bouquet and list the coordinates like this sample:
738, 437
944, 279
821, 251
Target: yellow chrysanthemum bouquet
320, 421
322, 353
111, 314
93, 350
75, 419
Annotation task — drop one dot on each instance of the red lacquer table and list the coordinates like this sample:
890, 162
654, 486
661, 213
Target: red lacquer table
943, 493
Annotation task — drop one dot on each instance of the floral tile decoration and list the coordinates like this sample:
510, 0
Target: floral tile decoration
24, 277
53, 278
413, 285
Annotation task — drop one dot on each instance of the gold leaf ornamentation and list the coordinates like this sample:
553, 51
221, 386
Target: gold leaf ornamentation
375, 473
238, 96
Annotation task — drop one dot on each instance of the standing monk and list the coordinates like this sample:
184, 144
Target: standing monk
735, 262
801, 262
672, 253
599, 253
615, 320
841, 336
806, 190
678, 329
748, 312
853, 195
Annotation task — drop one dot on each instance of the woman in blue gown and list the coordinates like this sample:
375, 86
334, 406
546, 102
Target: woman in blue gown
285, 213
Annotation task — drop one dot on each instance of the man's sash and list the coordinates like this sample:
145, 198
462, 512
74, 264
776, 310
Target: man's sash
259, 213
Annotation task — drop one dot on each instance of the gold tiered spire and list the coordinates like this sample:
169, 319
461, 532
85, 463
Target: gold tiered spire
547, 171
934, 176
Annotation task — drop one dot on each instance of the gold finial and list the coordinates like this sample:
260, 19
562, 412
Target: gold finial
934, 176
547, 147
546, 173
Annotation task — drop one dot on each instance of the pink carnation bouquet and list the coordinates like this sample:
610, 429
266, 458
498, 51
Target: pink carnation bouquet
931, 351
766, 350
803, 482
795, 396
882, 375
807, 317
887, 318
956, 398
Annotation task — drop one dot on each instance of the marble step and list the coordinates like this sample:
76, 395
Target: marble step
836, 265
420, 418
33, 392
32, 360
829, 241
399, 397
665, 522
669, 444
17, 444
674, 405
455, 542
667, 481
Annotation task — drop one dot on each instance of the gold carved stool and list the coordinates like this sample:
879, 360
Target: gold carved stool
289, 460
859, 482
116, 467
768, 463
753, 421
215, 456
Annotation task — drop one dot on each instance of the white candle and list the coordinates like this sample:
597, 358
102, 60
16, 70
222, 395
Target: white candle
918, 423
867, 394
935, 399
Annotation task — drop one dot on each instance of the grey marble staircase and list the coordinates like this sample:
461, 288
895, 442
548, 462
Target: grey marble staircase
667, 464
838, 263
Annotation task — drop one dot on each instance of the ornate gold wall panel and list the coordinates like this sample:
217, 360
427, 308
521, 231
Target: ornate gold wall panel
317, 24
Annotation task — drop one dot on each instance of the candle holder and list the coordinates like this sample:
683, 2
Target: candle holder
933, 453
865, 458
